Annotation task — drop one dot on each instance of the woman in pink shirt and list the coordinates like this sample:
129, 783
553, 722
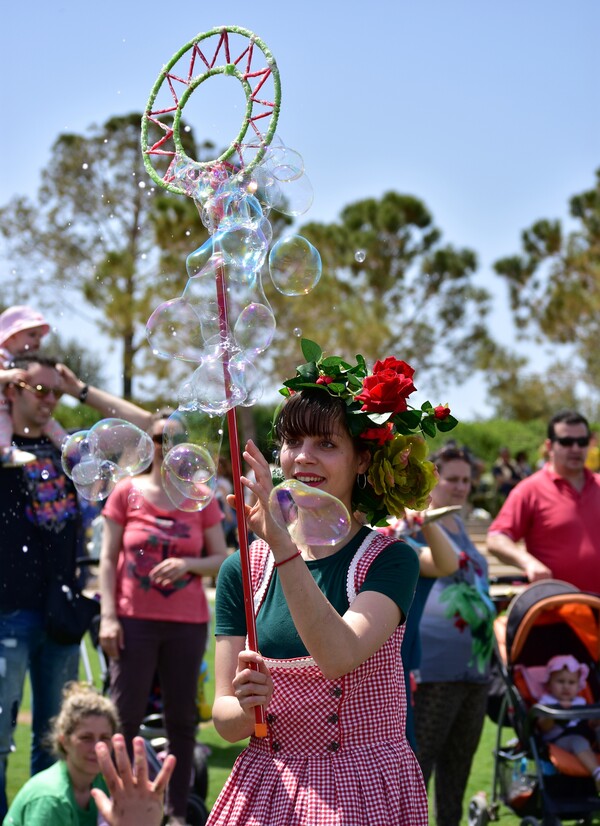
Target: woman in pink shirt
154, 609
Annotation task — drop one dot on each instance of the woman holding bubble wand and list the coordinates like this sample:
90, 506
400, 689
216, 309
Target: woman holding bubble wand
329, 616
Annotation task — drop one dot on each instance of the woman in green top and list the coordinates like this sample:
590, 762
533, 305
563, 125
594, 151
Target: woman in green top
62, 793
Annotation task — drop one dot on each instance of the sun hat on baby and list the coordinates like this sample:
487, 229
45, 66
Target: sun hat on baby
20, 317
571, 664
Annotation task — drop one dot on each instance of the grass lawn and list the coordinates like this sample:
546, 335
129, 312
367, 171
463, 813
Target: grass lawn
224, 754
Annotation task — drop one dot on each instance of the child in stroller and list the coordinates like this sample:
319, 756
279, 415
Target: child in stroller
542, 783
565, 677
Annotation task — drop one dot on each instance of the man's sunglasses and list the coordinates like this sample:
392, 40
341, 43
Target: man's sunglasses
40, 391
569, 441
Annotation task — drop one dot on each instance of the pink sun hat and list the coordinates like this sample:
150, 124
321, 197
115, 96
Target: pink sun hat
18, 318
571, 664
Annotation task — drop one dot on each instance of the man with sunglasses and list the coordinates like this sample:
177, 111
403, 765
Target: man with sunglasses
40, 523
555, 512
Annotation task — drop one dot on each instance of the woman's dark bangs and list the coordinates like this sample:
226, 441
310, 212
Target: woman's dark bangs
309, 414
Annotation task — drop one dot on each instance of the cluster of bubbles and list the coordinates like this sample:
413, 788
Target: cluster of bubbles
96, 459
220, 324
222, 320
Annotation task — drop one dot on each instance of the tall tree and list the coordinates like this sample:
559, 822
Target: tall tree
90, 233
389, 286
554, 284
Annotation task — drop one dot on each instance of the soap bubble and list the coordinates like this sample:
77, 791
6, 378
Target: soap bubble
96, 459
291, 198
173, 331
248, 378
294, 265
254, 328
214, 389
135, 499
74, 449
244, 247
311, 516
195, 427
190, 475
122, 443
360, 256
297, 331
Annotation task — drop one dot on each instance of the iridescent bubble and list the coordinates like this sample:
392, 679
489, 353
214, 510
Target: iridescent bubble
95, 478
173, 331
178, 499
194, 427
190, 470
135, 499
248, 378
297, 331
311, 516
122, 443
294, 265
254, 328
199, 258
293, 198
214, 389
360, 256
244, 247
74, 449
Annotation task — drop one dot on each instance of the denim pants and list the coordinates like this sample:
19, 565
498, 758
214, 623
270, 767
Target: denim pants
25, 645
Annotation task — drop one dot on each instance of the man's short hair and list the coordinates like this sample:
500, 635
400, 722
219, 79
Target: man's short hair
566, 417
27, 359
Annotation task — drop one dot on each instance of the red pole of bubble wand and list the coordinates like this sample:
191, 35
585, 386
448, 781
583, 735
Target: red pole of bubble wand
260, 724
209, 54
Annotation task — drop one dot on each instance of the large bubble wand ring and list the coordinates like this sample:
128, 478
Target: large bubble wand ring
227, 264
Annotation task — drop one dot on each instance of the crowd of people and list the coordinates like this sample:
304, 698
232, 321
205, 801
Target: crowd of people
375, 649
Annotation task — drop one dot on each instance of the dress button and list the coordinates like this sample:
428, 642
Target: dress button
271, 718
333, 746
333, 718
336, 691
275, 746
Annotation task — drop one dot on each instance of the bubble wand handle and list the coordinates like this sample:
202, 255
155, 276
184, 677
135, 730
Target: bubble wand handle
260, 723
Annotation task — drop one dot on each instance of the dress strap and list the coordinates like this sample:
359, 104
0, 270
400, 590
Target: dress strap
370, 547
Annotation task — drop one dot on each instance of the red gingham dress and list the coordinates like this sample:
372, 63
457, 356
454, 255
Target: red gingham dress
336, 752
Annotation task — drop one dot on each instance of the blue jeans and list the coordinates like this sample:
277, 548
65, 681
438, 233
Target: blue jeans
25, 645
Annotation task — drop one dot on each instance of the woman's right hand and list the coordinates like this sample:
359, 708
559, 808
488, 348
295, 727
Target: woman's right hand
111, 637
252, 687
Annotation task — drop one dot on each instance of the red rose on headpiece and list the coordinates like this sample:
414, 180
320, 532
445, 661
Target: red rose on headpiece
388, 388
381, 435
442, 411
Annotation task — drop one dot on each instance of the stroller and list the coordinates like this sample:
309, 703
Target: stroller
540, 782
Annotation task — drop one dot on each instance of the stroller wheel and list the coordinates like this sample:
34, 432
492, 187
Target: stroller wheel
478, 810
197, 813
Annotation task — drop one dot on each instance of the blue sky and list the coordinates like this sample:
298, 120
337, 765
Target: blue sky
488, 111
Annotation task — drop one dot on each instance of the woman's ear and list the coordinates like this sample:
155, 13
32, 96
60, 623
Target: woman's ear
364, 460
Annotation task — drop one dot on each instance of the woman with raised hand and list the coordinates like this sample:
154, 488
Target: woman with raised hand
62, 794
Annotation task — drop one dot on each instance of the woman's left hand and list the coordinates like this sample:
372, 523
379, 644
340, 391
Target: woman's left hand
169, 570
258, 516
134, 798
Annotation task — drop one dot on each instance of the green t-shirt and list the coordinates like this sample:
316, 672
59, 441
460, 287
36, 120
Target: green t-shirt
47, 800
394, 573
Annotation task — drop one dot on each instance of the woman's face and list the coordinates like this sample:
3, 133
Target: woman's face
454, 484
157, 437
79, 745
329, 463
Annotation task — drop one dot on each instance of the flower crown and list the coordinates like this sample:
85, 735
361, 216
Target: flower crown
377, 411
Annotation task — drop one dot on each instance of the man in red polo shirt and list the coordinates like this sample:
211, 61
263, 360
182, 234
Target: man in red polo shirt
556, 511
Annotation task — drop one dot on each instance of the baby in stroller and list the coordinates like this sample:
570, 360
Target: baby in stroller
565, 679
